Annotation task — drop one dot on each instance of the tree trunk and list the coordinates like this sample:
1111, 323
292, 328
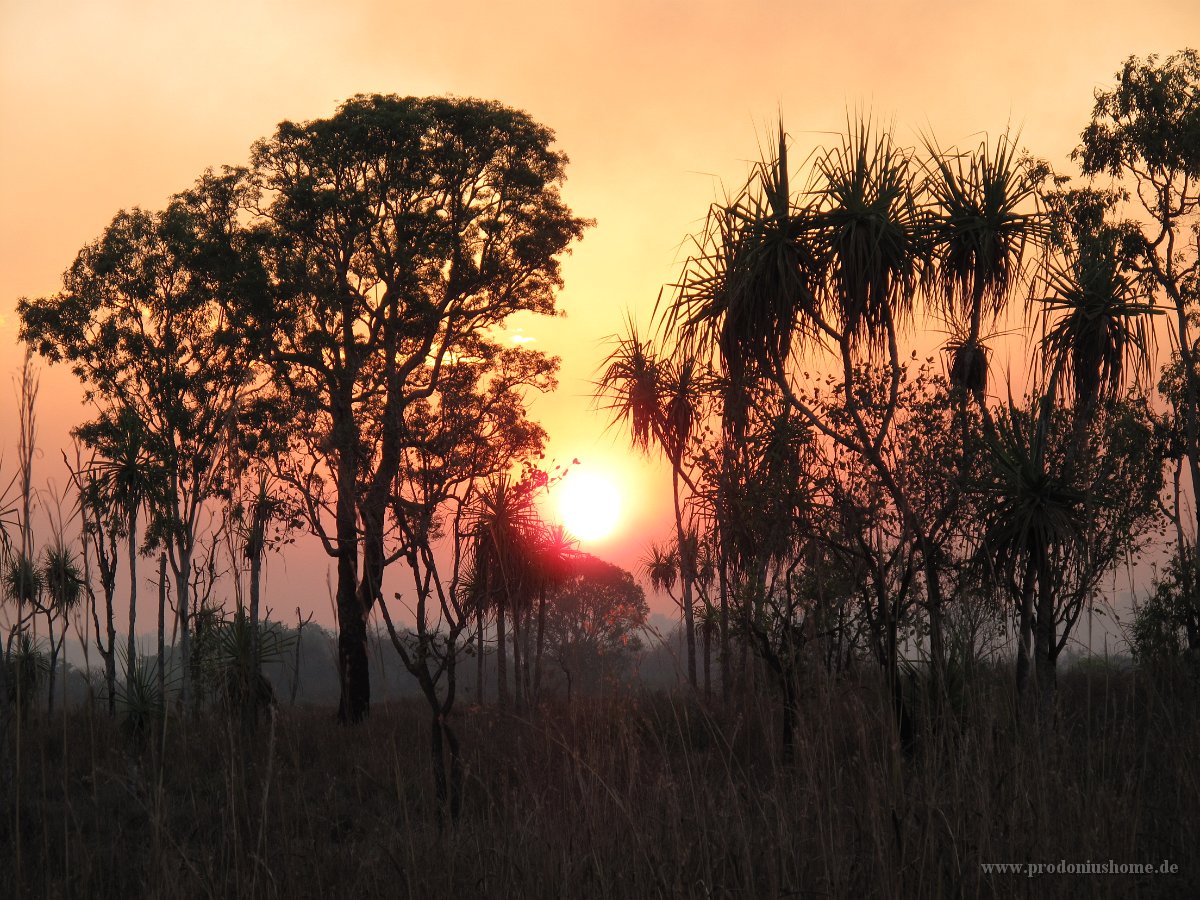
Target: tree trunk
250, 701
162, 626
479, 643
517, 628
501, 657
50, 675
1025, 634
131, 647
183, 590
353, 671
1045, 640
541, 643
723, 575
687, 571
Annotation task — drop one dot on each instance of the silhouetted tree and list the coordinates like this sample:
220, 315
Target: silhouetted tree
140, 320
593, 623
1145, 132
398, 231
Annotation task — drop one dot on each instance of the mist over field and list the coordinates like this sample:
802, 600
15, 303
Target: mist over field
635, 451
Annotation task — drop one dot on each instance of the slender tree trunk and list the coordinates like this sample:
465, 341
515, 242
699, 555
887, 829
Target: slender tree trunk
50, 675
687, 570
707, 632
517, 628
501, 657
183, 591
1025, 634
256, 551
1191, 425
1045, 640
300, 623
162, 626
110, 658
541, 643
131, 646
479, 643
723, 576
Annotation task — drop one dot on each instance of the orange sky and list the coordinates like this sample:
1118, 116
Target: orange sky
105, 105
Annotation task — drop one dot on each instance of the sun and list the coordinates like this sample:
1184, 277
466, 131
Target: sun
589, 505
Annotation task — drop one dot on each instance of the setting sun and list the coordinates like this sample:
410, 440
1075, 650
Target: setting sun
589, 505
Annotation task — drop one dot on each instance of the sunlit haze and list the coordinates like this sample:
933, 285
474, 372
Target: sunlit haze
589, 504
661, 106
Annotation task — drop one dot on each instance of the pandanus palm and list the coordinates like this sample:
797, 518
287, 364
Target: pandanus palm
659, 399
63, 591
983, 222
1030, 511
1101, 327
844, 266
867, 231
556, 553
23, 583
504, 523
127, 478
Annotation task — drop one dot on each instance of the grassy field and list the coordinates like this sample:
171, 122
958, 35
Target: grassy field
644, 795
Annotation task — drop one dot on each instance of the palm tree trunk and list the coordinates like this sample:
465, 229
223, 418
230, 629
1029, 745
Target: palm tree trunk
132, 644
479, 654
518, 695
501, 657
54, 648
255, 594
541, 643
1045, 640
1025, 636
686, 572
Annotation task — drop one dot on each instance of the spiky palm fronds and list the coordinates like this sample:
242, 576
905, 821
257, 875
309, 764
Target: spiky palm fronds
868, 231
1102, 326
139, 701
656, 398
556, 552
23, 580
506, 526
630, 381
683, 383
750, 289
27, 666
983, 223
1029, 509
969, 364
126, 473
660, 565
62, 578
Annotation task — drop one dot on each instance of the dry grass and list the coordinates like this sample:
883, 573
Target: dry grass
645, 796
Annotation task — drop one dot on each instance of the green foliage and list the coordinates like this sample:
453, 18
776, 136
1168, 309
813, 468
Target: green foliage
228, 658
594, 619
1149, 121
62, 578
1160, 623
23, 581
140, 704
26, 666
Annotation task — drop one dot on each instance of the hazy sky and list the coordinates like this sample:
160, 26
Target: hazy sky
106, 105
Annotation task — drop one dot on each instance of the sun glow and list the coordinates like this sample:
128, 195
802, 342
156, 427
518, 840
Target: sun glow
589, 505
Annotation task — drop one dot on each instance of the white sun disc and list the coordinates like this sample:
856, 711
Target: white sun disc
588, 504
